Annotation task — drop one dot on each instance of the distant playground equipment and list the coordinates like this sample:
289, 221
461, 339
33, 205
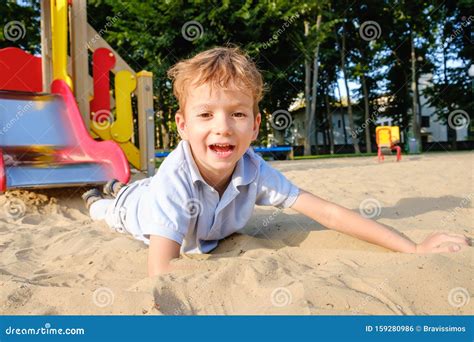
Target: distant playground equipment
49, 120
388, 138
275, 152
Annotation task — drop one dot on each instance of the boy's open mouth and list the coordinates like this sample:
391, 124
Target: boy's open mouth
222, 150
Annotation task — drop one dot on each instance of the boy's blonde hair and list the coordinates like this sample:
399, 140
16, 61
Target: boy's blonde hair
221, 66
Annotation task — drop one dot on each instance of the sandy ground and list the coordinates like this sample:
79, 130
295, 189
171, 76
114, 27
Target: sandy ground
55, 260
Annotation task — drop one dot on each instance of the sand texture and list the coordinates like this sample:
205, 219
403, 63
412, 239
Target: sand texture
55, 260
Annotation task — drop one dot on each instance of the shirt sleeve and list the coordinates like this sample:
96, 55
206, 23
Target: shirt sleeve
165, 209
274, 189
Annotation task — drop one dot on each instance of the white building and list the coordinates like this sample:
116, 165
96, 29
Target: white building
430, 125
432, 129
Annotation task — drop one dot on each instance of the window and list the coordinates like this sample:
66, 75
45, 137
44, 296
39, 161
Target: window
425, 121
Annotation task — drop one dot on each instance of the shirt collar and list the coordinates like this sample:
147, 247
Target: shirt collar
195, 174
245, 172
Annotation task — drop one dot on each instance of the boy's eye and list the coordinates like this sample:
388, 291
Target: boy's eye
204, 115
240, 115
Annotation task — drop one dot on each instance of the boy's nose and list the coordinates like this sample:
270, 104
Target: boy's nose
222, 125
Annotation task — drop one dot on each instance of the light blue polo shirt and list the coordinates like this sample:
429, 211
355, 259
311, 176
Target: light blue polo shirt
178, 204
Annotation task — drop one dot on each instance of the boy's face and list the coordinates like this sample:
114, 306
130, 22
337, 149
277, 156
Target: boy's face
220, 125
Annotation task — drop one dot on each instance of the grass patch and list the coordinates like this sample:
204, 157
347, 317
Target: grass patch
342, 155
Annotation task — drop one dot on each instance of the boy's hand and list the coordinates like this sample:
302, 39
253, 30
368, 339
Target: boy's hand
443, 243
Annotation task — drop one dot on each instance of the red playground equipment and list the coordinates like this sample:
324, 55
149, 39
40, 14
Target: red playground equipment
387, 138
57, 130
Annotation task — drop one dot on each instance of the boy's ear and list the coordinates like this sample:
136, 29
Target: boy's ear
181, 124
256, 126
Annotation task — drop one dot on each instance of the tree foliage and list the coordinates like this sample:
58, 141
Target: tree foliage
152, 35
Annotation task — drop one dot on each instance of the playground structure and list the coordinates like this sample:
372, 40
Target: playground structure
50, 122
387, 138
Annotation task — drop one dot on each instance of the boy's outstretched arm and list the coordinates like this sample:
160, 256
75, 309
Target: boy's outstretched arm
160, 252
346, 221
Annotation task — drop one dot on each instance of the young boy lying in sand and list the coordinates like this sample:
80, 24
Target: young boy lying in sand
207, 187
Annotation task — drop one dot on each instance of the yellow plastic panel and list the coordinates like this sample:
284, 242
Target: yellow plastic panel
132, 153
383, 134
395, 134
387, 135
122, 128
59, 40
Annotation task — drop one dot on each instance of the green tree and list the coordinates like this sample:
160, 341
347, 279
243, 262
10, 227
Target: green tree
20, 25
451, 93
150, 35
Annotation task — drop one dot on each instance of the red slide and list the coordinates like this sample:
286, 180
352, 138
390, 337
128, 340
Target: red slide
43, 139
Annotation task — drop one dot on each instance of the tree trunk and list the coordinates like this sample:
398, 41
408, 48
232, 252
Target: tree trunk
159, 128
368, 143
324, 132
451, 134
415, 124
420, 107
355, 140
307, 89
330, 128
169, 133
312, 124
342, 113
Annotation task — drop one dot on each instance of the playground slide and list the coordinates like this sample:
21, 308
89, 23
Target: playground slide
44, 143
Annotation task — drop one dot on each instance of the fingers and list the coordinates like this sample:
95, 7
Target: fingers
457, 235
455, 238
447, 249
464, 237
460, 240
